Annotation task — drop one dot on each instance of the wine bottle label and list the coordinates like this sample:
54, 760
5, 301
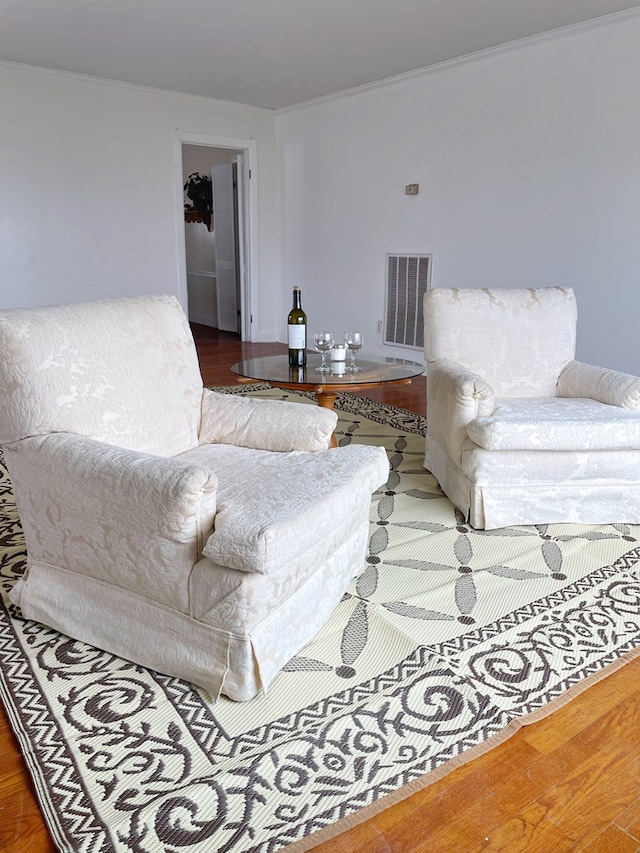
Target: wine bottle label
296, 336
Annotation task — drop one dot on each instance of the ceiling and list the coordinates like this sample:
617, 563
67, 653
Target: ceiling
270, 53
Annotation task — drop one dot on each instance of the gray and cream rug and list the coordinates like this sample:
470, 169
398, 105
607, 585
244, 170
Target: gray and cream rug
448, 636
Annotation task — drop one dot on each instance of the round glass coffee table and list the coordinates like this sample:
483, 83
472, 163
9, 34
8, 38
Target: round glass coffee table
275, 370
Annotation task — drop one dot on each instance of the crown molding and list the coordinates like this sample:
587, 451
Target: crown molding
418, 73
139, 87
476, 56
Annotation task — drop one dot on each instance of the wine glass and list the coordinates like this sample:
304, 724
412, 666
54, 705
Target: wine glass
323, 341
354, 341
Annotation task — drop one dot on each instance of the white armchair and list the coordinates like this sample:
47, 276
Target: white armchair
199, 534
518, 432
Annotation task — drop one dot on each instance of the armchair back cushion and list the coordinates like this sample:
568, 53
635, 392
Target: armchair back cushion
468, 327
131, 361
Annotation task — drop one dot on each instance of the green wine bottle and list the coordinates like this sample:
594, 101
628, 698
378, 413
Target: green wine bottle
297, 332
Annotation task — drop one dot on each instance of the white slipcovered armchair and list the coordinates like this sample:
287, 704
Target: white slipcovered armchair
518, 432
204, 535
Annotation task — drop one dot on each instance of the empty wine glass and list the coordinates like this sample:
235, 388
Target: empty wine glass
354, 341
323, 341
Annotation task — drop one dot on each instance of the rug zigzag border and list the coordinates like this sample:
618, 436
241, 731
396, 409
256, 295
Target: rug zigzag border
74, 816
209, 733
547, 603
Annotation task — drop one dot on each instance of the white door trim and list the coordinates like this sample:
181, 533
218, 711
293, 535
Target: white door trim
250, 285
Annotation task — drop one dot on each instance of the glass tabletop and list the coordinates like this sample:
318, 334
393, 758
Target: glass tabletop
275, 368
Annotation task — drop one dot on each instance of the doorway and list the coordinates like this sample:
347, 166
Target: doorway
216, 250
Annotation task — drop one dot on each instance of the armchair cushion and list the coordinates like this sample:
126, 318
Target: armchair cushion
554, 423
123, 371
263, 522
264, 424
601, 383
474, 327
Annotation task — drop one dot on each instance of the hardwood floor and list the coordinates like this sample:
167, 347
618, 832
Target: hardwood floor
570, 782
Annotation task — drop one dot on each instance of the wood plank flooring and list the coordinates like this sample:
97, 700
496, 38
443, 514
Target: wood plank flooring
570, 782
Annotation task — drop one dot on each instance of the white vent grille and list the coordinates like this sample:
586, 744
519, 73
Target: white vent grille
408, 277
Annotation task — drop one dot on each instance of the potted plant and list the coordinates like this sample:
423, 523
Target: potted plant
199, 190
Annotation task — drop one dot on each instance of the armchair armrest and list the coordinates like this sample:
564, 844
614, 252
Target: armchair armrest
264, 424
455, 397
131, 519
599, 383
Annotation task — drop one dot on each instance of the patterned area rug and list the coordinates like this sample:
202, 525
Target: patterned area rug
448, 635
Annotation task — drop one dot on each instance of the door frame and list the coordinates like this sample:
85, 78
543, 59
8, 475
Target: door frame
249, 285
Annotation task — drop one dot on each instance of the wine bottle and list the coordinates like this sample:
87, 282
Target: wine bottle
297, 332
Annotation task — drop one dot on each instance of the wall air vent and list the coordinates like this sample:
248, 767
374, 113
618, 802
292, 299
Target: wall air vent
408, 277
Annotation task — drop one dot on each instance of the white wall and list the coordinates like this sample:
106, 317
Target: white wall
88, 195
528, 162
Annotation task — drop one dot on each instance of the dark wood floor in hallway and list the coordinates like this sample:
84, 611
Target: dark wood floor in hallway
570, 782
